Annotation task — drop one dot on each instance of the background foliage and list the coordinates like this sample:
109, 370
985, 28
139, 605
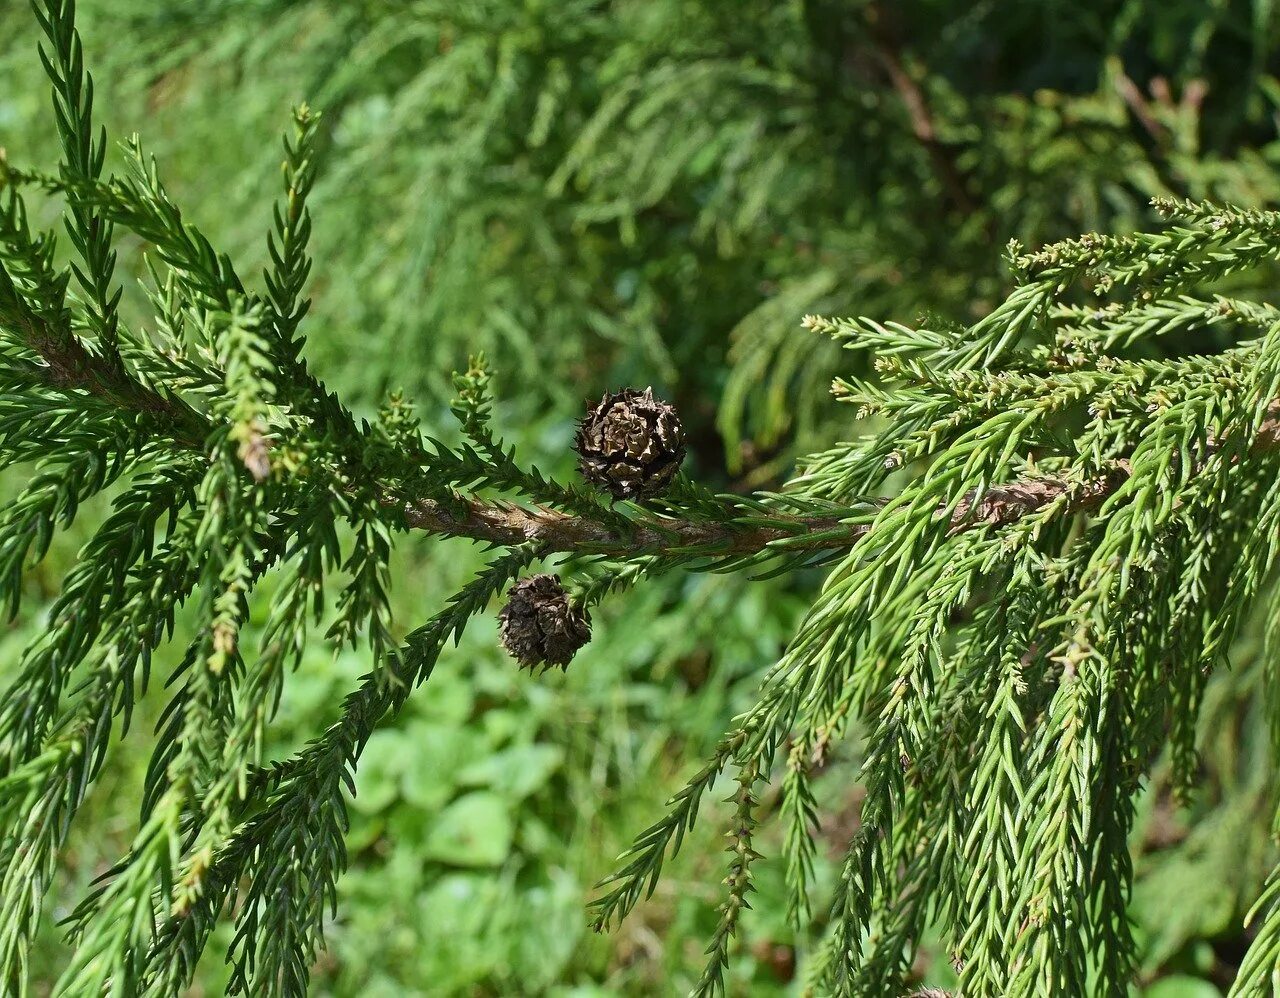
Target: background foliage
653, 192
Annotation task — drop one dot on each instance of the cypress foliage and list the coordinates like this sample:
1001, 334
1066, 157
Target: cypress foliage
1037, 544
654, 189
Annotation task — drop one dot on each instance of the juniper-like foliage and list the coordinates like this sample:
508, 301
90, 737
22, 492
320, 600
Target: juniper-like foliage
1038, 542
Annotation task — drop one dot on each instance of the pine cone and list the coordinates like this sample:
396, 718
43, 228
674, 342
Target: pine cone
631, 444
539, 626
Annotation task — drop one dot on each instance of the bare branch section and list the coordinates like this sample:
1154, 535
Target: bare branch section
505, 524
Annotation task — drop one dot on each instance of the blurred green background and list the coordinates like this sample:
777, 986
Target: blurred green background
652, 192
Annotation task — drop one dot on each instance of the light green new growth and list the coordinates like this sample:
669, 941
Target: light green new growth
1037, 549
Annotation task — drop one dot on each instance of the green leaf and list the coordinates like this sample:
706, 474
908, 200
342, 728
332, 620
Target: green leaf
1180, 986
475, 830
435, 756
515, 772
382, 763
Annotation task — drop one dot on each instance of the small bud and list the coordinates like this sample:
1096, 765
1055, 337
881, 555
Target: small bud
630, 444
255, 453
539, 626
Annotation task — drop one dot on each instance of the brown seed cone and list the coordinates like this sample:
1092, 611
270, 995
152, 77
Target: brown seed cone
539, 627
630, 444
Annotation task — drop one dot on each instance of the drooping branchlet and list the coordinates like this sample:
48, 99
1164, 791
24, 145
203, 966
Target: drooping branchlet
630, 444
539, 626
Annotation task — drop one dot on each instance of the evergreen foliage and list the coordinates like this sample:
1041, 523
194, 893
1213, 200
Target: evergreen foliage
1038, 540
655, 189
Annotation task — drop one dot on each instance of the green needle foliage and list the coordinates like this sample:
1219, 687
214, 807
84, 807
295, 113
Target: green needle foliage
649, 191
1038, 541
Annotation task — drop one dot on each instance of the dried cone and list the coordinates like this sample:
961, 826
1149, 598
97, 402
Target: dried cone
631, 444
539, 627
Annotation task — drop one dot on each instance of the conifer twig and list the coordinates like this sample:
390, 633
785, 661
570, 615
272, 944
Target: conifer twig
73, 367
917, 106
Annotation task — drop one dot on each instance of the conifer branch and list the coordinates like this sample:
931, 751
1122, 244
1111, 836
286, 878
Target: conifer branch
72, 367
942, 159
738, 883
83, 156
